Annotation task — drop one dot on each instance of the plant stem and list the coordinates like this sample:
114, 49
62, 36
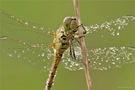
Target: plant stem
83, 45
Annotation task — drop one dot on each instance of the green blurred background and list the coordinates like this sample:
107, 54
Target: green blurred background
15, 75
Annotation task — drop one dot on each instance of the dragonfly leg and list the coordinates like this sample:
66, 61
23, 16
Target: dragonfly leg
75, 29
77, 39
84, 32
72, 52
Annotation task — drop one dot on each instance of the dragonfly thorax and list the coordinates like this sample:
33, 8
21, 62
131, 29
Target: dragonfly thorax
60, 41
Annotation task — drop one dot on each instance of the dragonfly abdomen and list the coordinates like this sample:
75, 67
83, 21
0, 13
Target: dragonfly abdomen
57, 59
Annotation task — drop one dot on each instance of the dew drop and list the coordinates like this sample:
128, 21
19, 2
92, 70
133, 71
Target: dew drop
113, 62
118, 33
18, 55
34, 27
10, 55
43, 54
26, 23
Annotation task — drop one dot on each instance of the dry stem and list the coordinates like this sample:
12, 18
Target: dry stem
83, 46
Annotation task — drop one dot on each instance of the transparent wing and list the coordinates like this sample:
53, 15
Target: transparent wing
38, 55
101, 58
26, 41
110, 31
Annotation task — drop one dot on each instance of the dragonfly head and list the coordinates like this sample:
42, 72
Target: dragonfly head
69, 23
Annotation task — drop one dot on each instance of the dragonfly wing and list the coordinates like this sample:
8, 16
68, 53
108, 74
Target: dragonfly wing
110, 57
101, 58
25, 41
21, 29
110, 31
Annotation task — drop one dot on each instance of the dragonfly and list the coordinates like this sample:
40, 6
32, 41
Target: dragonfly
31, 42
